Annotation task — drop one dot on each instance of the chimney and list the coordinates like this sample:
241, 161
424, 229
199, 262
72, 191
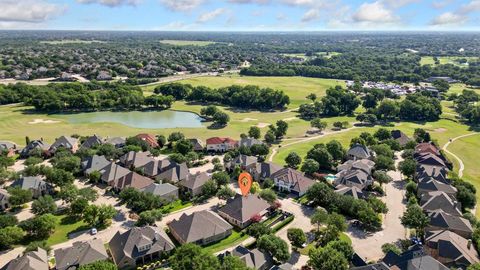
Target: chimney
469, 244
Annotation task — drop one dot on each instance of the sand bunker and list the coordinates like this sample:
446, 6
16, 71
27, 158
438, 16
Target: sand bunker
43, 121
263, 125
290, 119
440, 130
248, 119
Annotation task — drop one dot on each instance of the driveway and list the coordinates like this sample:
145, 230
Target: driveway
369, 245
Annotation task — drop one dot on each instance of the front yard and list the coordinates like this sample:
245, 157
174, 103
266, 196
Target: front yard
65, 226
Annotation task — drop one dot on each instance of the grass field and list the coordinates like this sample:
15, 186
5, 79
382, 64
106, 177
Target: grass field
187, 42
428, 60
64, 227
297, 88
467, 149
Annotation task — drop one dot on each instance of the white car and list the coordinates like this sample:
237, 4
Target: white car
93, 231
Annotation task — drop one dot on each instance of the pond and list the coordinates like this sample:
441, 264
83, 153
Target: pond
139, 119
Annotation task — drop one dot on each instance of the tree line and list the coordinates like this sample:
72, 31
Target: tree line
248, 97
82, 97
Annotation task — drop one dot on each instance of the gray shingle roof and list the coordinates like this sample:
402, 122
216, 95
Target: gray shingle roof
453, 246
248, 142
174, 172
297, 180
136, 159
438, 200
266, 169
433, 185
33, 260
159, 189
194, 181
126, 244
36, 144
254, 258
64, 141
243, 208
94, 163
351, 191
29, 182
113, 172
92, 141
447, 221
199, 225
359, 151
80, 253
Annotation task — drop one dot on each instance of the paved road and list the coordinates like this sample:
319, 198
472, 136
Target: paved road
369, 245
460, 162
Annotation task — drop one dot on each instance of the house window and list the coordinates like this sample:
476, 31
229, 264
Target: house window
145, 247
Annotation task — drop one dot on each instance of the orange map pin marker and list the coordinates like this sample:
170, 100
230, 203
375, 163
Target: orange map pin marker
245, 183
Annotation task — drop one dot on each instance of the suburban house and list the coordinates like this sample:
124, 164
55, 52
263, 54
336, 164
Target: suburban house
92, 141
192, 185
440, 220
8, 147
429, 172
94, 164
174, 173
66, 142
166, 191
265, 170
240, 209
438, 200
197, 144
353, 191
249, 142
200, 228
218, 144
113, 172
139, 245
422, 149
400, 137
430, 159
150, 139
254, 259
451, 249
32, 260
356, 173
4, 204
427, 186
359, 151
131, 180
35, 184
134, 159
38, 145
118, 142
290, 180
415, 258
80, 253
244, 162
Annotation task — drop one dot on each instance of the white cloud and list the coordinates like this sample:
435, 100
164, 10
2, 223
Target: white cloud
400, 3
205, 17
27, 11
249, 1
375, 12
281, 17
311, 15
441, 3
448, 18
301, 2
472, 6
182, 5
111, 3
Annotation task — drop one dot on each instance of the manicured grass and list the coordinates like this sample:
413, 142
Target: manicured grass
175, 206
65, 226
235, 238
428, 60
467, 149
187, 42
297, 88
345, 237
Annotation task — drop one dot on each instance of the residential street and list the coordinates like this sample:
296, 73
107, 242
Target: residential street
369, 245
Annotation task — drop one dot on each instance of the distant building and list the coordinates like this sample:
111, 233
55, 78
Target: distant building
92, 141
249, 142
118, 142
150, 139
359, 151
94, 163
35, 145
197, 144
35, 184
400, 137
66, 142
447, 79
218, 144
8, 147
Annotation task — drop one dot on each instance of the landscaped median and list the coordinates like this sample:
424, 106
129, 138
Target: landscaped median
239, 236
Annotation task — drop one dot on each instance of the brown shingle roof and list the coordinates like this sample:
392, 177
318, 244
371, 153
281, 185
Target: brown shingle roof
243, 208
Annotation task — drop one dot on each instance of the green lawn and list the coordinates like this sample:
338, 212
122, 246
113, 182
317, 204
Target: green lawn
175, 206
297, 88
187, 42
65, 226
467, 149
235, 238
428, 60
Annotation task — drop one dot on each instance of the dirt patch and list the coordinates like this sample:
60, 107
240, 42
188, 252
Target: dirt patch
43, 121
290, 119
440, 130
248, 119
263, 125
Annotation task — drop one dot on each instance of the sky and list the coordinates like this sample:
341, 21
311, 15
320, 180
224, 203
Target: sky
241, 15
